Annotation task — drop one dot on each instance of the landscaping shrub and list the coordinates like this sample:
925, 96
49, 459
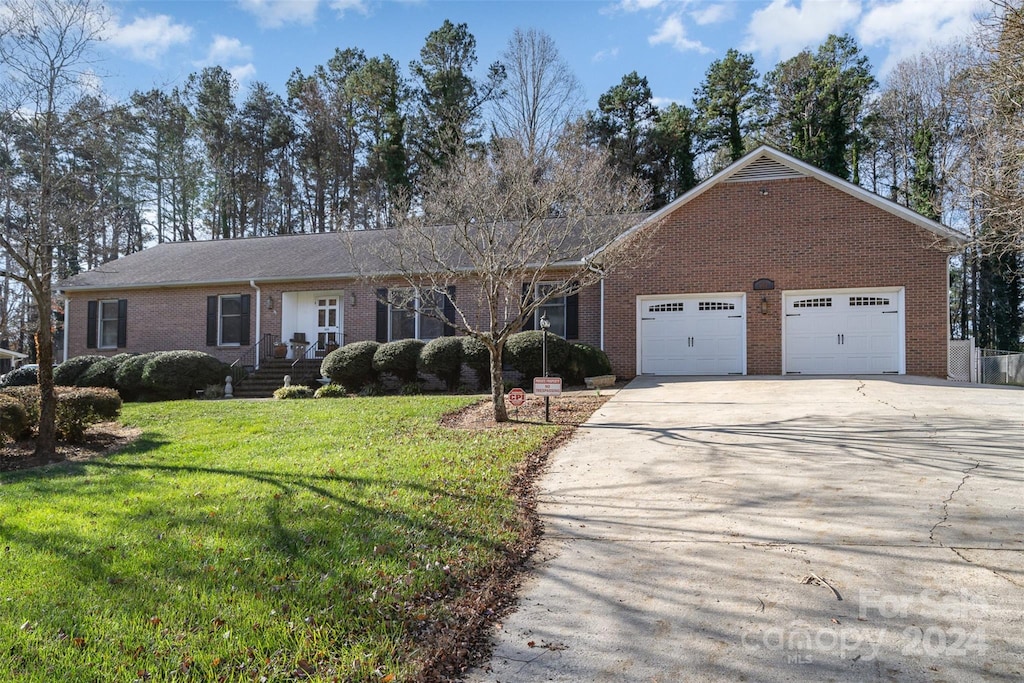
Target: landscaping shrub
180, 374
102, 372
330, 391
523, 351
128, 376
68, 372
14, 420
352, 365
399, 358
443, 357
79, 407
25, 376
476, 356
294, 391
586, 361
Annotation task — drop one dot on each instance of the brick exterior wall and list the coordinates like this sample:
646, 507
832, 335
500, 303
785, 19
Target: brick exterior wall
803, 235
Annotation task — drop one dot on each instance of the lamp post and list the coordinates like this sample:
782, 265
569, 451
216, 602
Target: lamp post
544, 325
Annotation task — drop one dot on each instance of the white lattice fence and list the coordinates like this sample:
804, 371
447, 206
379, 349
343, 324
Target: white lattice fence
962, 364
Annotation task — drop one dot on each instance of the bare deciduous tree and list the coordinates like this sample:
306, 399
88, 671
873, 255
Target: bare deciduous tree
500, 222
44, 54
542, 94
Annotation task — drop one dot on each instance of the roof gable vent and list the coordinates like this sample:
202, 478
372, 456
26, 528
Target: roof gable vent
764, 168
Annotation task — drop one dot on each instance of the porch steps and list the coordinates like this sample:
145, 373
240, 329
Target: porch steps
270, 377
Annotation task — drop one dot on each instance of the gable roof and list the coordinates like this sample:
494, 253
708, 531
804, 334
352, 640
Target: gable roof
282, 258
767, 163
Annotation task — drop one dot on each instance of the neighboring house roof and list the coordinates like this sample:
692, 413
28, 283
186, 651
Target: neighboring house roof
13, 355
767, 163
318, 256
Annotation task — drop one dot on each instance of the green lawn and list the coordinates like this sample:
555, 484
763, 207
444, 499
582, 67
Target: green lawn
240, 540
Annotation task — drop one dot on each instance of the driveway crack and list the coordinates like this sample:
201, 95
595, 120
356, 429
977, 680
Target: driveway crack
946, 502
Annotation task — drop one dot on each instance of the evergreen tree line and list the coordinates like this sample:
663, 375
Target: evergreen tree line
344, 147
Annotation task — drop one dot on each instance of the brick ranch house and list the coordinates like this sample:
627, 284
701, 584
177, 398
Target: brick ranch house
770, 267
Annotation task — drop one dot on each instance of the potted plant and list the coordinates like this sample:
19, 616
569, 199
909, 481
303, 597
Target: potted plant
280, 349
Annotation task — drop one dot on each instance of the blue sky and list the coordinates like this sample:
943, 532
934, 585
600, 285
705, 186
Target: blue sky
157, 44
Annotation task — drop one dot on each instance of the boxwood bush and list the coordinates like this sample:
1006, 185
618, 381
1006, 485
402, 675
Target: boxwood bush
77, 408
476, 356
180, 374
523, 351
443, 357
14, 420
399, 358
25, 376
352, 365
128, 376
586, 361
102, 373
330, 391
68, 372
28, 396
294, 391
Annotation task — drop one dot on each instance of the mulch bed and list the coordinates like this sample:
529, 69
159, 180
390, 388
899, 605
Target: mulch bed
100, 439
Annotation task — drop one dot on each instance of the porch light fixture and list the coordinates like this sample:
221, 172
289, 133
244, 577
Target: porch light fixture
270, 303
352, 299
763, 191
764, 304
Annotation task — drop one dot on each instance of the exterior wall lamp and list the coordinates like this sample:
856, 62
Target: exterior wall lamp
764, 304
270, 303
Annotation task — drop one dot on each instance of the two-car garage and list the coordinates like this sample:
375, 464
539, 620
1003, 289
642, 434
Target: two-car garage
824, 332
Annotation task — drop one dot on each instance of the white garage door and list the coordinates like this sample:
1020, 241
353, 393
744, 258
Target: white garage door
692, 335
843, 333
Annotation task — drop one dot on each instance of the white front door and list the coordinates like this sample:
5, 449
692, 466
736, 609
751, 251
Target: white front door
328, 328
692, 334
318, 318
836, 332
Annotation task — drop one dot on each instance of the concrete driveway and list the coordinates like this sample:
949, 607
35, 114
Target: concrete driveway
780, 529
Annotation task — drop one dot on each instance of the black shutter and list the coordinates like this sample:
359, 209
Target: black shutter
382, 315
122, 323
90, 326
449, 311
211, 321
244, 341
572, 316
527, 298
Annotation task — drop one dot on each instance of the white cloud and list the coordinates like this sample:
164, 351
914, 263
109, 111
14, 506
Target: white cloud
610, 53
343, 6
149, 38
243, 72
639, 5
662, 102
673, 32
785, 27
908, 27
712, 14
225, 49
276, 13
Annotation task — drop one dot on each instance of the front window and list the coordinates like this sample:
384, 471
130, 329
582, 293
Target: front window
412, 314
231, 320
107, 328
554, 308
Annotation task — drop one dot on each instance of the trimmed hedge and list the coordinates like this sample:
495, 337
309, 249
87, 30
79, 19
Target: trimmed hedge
14, 420
443, 357
524, 352
399, 358
68, 372
294, 391
25, 376
476, 356
330, 391
180, 374
586, 361
352, 365
77, 408
102, 373
128, 376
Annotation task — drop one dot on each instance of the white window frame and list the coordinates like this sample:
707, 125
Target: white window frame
418, 315
102, 322
220, 319
556, 302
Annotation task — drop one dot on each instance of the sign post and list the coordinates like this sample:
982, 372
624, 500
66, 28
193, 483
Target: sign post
547, 387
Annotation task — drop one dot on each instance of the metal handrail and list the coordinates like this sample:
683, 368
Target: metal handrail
260, 351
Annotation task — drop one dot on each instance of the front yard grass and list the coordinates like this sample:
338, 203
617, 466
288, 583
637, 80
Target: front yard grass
273, 540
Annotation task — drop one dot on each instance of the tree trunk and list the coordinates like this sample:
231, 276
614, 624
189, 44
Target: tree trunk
46, 439
498, 387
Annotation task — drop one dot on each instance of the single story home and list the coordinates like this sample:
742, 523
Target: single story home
770, 267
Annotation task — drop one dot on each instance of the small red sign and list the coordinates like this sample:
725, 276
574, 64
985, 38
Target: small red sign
516, 397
